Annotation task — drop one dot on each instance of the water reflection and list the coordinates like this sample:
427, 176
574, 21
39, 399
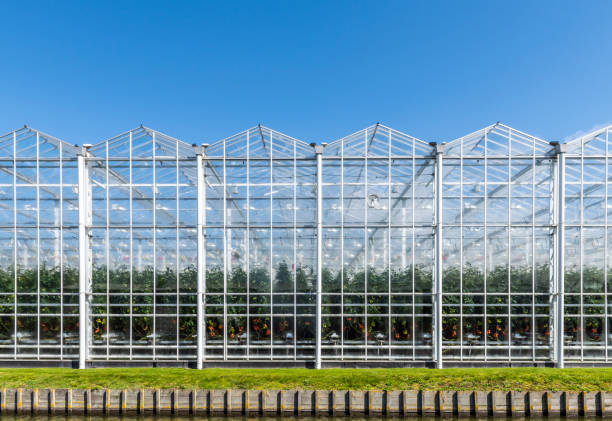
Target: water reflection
255, 418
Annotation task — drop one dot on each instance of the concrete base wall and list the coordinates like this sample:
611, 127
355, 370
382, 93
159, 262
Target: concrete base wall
285, 364
302, 402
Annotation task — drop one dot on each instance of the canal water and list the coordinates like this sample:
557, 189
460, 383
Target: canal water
261, 418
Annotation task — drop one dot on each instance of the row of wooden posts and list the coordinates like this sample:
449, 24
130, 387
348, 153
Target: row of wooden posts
302, 402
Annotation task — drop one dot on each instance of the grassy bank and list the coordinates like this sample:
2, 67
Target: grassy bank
587, 379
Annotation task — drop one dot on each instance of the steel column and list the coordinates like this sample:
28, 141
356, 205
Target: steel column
560, 281
84, 255
201, 223
437, 339
319, 325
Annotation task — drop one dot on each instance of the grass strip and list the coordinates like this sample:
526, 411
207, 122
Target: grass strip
520, 379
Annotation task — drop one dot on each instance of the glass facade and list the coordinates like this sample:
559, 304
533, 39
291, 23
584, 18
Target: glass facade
376, 247
498, 234
39, 273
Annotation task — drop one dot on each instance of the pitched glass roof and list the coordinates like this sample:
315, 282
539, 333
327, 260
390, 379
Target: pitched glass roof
31, 143
143, 142
260, 142
594, 143
378, 141
498, 140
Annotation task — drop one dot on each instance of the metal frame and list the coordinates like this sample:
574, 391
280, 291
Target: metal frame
201, 216
262, 247
148, 206
439, 256
495, 222
39, 316
585, 258
560, 273
84, 256
319, 289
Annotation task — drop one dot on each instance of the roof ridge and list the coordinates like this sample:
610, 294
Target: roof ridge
144, 128
491, 127
258, 127
43, 134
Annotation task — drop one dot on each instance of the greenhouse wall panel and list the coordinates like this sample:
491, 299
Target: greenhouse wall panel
377, 248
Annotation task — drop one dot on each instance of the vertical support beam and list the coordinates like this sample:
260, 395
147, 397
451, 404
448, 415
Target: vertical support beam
37, 246
15, 242
437, 337
84, 254
226, 252
319, 153
606, 246
201, 224
153, 335
271, 249
560, 281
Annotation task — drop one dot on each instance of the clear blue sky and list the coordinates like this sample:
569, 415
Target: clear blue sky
85, 71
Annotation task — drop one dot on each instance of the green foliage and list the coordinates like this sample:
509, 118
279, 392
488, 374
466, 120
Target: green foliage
471, 280
283, 279
497, 280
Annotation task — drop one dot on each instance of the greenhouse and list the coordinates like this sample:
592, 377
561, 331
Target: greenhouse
374, 249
